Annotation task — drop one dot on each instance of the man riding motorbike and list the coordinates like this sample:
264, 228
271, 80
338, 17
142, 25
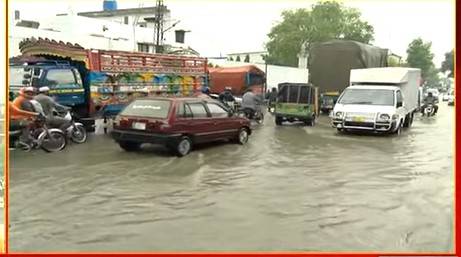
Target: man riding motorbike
49, 106
250, 103
430, 99
22, 112
226, 97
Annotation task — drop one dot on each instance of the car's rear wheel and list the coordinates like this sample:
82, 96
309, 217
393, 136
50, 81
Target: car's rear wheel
129, 146
242, 136
183, 147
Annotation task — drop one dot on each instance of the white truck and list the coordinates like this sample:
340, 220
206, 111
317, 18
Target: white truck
379, 100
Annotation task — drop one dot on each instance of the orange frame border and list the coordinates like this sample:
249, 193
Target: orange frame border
457, 193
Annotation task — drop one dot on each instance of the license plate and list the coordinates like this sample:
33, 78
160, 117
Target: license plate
139, 125
358, 119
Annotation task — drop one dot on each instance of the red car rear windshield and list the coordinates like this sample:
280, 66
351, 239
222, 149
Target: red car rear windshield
148, 108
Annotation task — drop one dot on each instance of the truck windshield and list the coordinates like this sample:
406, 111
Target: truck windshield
16, 75
148, 108
368, 96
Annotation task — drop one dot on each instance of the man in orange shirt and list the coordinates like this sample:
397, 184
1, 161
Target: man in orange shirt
22, 112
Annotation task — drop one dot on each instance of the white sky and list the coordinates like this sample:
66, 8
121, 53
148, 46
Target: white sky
225, 26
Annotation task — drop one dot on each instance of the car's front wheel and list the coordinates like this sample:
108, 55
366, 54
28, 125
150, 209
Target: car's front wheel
242, 136
129, 146
183, 147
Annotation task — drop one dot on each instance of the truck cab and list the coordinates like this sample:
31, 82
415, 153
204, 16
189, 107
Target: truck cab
372, 108
64, 80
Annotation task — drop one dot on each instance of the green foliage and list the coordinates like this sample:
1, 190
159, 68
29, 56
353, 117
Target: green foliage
447, 64
420, 56
302, 27
238, 58
231, 59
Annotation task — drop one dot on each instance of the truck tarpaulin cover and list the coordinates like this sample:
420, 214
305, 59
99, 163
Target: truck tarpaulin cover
330, 62
238, 78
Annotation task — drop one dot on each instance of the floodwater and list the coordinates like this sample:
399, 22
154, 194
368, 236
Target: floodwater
291, 188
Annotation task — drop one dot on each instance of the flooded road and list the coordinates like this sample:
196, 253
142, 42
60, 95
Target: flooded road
291, 188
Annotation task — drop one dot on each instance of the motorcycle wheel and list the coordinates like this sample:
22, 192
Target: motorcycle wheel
78, 134
260, 118
55, 141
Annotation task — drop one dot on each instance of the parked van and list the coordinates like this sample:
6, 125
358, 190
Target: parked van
379, 100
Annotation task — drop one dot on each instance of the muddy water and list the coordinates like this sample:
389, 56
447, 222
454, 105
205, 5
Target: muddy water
292, 188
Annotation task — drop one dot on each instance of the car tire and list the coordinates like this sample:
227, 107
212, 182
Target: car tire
129, 146
183, 146
242, 136
278, 120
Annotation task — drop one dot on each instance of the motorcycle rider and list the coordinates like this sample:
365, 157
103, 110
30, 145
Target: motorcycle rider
22, 112
250, 103
49, 106
430, 99
226, 96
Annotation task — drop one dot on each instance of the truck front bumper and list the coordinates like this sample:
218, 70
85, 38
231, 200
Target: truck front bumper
375, 126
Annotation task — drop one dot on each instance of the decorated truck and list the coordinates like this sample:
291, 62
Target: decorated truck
99, 83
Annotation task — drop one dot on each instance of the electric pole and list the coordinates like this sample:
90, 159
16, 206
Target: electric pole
159, 26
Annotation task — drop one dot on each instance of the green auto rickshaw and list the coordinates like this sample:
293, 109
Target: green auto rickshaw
296, 102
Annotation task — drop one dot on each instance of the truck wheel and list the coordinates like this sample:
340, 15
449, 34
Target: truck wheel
311, 121
129, 146
278, 120
398, 131
408, 120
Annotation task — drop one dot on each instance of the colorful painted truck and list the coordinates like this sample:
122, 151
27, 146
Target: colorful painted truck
99, 83
330, 64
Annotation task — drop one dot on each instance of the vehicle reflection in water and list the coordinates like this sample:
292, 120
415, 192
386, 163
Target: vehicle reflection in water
291, 188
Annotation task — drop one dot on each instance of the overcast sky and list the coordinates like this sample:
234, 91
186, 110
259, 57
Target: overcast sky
220, 27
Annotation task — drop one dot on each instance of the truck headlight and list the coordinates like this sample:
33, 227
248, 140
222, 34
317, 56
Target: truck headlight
384, 117
339, 115
395, 116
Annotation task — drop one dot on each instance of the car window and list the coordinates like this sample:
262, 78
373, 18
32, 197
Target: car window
217, 111
148, 108
198, 110
183, 111
399, 97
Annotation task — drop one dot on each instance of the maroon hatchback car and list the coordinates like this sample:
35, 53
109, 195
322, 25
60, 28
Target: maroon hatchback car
177, 123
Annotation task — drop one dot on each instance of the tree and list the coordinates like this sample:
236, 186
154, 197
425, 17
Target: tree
247, 58
419, 55
231, 59
302, 27
447, 64
238, 58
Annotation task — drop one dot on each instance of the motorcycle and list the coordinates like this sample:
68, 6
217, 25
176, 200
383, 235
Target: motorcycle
429, 110
75, 131
49, 139
250, 114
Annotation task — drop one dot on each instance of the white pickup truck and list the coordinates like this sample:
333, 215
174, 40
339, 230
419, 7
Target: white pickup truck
379, 100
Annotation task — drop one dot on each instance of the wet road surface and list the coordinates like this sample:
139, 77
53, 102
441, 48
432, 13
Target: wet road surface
291, 188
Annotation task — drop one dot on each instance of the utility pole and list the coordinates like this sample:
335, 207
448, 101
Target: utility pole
159, 26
